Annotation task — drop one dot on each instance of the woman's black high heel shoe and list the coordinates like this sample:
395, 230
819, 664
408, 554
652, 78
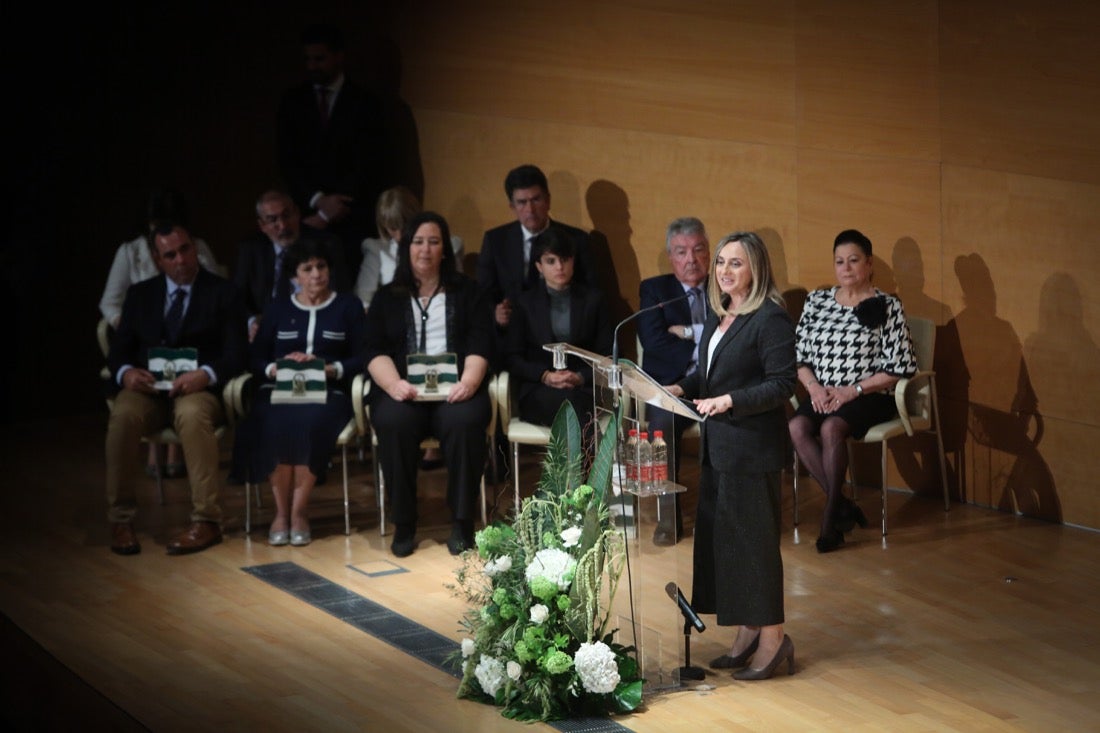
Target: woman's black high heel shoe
831, 541
727, 662
848, 516
785, 653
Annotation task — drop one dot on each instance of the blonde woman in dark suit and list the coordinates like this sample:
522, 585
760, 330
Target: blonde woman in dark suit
746, 375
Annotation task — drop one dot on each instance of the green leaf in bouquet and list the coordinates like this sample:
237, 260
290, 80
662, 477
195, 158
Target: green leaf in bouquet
599, 476
562, 466
628, 695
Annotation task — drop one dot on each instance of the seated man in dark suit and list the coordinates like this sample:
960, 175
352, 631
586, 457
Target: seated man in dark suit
184, 306
670, 339
504, 265
260, 275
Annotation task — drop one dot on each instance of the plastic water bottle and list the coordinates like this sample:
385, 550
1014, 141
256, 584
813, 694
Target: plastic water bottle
645, 462
631, 459
660, 460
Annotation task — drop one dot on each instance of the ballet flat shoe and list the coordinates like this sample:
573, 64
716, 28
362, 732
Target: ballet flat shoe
278, 537
727, 662
785, 653
300, 537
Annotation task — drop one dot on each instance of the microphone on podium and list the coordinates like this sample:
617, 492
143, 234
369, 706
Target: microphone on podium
615, 336
685, 608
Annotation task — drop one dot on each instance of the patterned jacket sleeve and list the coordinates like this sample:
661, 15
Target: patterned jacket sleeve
803, 355
897, 357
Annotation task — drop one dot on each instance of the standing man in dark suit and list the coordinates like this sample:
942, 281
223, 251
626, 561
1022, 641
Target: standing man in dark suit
260, 275
184, 306
504, 265
670, 341
333, 146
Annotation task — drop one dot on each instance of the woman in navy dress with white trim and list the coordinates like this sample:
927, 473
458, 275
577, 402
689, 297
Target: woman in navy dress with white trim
293, 443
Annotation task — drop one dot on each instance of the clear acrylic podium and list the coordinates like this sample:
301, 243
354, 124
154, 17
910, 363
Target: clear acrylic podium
644, 613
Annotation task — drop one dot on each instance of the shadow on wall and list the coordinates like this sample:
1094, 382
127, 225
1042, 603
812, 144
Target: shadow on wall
613, 253
916, 458
1005, 467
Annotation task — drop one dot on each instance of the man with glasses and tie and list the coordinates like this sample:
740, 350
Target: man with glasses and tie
670, 339
260, 275
184, 307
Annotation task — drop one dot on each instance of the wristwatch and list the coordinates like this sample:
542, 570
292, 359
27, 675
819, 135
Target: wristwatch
859, 389
688, 332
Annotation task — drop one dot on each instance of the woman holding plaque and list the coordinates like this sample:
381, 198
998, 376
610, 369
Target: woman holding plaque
429, 339
745, 377
291, 431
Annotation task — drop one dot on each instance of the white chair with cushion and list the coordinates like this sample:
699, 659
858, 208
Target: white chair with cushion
517, 431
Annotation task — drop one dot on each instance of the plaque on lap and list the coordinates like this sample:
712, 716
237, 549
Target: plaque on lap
433, 375
299, 382
166, 364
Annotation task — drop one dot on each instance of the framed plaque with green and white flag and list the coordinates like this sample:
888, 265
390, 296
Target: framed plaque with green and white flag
166, 364
433, 375
299, 382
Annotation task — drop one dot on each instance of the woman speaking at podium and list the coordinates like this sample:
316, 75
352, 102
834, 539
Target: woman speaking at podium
745, 377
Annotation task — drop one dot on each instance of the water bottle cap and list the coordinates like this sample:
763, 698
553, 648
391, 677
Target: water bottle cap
644, 435
633, 432
658, 433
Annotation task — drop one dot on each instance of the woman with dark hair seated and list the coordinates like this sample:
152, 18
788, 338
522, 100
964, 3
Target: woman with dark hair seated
291, 443
555, 310
853, 346
430, 310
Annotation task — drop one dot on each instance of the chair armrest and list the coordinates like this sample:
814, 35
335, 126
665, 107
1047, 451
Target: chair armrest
103, 336
233, 399
493, 386
904, 391
504, 399
360, 388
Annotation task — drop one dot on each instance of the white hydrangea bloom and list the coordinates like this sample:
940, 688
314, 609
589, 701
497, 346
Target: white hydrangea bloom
498, 565
595, 665
539, 613
514, 670
570, 537
490, 674
553, 564
468, 647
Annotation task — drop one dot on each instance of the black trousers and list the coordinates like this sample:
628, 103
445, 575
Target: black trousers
460, 429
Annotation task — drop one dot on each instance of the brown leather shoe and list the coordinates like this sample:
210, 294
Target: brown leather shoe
197, 538
123, 539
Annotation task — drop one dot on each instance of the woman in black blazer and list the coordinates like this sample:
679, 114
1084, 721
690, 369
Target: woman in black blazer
557, 309
746, 375
429, 308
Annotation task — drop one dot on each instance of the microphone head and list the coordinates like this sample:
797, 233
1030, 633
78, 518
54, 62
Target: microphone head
672, 590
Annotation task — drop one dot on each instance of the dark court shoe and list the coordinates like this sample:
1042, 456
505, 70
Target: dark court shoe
830, 542
848, 516
785, 653
196, 538
404, 541
727, 662
462, 537
123, 539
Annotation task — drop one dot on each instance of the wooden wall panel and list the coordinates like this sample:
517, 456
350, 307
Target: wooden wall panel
867, 77
1020, 87
627, 185
888, 199
715, 70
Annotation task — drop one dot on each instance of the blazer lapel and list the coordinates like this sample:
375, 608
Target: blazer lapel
727, 337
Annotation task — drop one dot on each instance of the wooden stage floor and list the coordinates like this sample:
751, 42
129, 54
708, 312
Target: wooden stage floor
964, 621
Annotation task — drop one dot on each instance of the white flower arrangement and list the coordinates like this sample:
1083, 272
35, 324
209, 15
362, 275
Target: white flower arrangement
597, 667
554, 565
